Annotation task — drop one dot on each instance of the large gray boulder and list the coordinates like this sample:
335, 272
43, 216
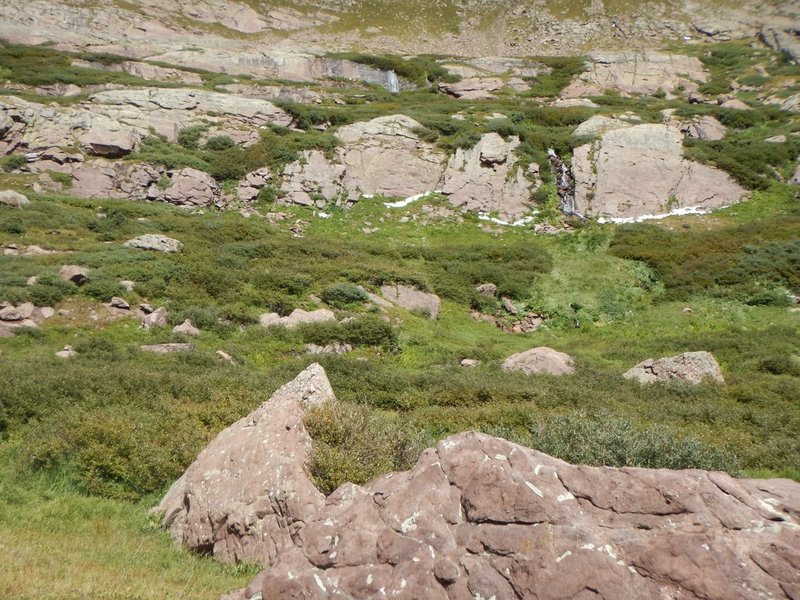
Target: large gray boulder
248, 493
541, 360
297, 317
691, 367
13, 199
633, 171
411, 298
481, 517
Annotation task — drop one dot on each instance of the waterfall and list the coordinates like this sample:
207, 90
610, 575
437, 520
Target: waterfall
392, 82
565, 184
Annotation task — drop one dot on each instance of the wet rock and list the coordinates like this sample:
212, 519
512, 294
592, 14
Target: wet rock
247, 493
157, 242
541, 360
691, 367
411, 298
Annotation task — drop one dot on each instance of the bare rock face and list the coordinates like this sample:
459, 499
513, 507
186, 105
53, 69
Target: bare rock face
487, 178
704, 127
480, 517
412, 299
691, 367
385, 156
248, 492
540, 360
313, 180
635, 171
155, 241
190, 187
252, 183
637, 73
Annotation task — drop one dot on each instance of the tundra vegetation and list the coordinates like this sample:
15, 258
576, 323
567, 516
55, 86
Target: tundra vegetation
88, 444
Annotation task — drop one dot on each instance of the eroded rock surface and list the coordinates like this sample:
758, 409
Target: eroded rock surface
248, 491
480, 517
691, 367
632, 171
411, 298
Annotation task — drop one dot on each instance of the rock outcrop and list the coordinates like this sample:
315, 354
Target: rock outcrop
247, 493
691, 367
487, 178
541, 360
633, 171
480, 517
13, 199
637, 73
297, 317
411, 298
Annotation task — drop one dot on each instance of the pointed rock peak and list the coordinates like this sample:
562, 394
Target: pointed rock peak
311, 386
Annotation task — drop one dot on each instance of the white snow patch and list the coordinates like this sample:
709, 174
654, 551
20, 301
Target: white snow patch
369, 579
500, 457
323, 215
517, 223
678, 212
536, 490
587, 547
537, 469
565, 497
409, 200
563, 556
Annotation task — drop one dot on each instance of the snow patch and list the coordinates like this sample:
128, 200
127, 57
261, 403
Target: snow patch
678, 212
517, 223
409, 200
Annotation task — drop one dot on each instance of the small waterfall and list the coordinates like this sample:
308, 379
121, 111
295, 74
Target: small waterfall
392, 82
565, 184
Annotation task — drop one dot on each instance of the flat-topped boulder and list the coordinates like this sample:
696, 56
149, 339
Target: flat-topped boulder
411, 298
155, 241
248, 491
297, 317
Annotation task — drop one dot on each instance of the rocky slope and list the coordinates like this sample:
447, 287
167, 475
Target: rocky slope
478, 516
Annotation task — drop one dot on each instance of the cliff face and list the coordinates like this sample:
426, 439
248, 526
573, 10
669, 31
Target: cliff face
268, 35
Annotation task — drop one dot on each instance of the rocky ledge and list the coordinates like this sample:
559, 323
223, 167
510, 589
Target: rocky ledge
478, 517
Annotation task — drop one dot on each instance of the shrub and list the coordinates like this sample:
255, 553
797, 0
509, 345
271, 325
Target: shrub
12, 162
189, 137
218, 143
342, 294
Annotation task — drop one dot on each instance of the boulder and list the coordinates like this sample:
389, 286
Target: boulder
487, 178
21, 312
13, 199
637, 73
190, 187
67, 352
469, 363
297, 317
313, 180
541, 360
154, 241
481, 517
155, 318
170, 348
252, 183
475, 88
640, 170
411, 298
734, 104
704, 127
691, 367
487, 289
121, 303
74, 273
248, 492
334, 348
795, 179
186, 328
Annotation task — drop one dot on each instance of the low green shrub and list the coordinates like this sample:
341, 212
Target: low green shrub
342, 294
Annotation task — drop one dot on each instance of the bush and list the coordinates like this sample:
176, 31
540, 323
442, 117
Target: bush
342, 294
189, 137
12, 162
218, 143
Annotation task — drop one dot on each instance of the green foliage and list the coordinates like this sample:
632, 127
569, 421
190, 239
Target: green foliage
12, 162
416, 69
364, 330
354, 444
342, 294
189, 137
219, 143
735, 262
607, 440
563, 70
